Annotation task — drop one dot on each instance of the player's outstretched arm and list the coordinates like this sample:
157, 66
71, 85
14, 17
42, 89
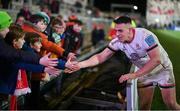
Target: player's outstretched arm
96, 59
92, 61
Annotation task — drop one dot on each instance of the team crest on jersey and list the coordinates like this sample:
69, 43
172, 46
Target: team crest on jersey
150, 40
138, 46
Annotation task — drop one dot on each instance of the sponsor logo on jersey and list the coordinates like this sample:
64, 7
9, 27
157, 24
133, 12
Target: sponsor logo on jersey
150, 40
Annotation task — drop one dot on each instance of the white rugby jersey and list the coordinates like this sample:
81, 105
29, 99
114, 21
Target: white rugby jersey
137, 49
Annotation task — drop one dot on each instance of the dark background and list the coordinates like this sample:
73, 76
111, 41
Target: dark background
104, 5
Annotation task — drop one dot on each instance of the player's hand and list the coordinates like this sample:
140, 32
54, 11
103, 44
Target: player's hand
126, 77
71, 64
68, 71
75, 67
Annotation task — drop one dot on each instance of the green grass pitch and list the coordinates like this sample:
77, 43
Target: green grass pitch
170, 40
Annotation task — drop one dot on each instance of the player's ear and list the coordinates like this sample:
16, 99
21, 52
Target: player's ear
128, 26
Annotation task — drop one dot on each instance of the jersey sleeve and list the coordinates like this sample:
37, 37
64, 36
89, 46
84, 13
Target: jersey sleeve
149, 42
114, 45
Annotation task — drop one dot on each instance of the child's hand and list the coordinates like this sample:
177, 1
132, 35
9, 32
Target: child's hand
53, 71
72, 56
46, 61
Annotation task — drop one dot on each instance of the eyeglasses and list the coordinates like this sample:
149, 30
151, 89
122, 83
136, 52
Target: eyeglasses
45, 23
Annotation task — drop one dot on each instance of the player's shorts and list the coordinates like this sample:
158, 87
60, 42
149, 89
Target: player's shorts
163, 77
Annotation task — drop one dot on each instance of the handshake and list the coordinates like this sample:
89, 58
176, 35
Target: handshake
54, 66
71, 65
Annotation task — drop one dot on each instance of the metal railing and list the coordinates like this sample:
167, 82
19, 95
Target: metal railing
131, 92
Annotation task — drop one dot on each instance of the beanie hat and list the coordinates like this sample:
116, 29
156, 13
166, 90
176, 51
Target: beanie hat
45, 16
5, 21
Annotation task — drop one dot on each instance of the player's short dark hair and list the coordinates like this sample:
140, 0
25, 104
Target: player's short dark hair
122, 19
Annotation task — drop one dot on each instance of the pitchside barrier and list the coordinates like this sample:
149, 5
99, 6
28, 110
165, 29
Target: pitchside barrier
131, 92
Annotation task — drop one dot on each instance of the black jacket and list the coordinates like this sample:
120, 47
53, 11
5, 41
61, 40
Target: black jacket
8, 57
73, 40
